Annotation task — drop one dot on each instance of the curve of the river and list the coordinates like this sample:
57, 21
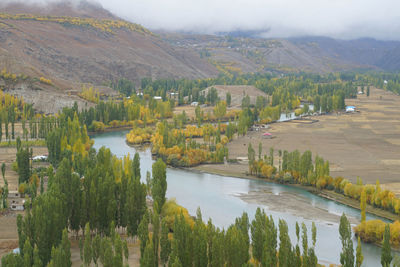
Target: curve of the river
219, 198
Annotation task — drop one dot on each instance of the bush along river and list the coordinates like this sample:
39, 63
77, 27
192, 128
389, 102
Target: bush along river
225, 198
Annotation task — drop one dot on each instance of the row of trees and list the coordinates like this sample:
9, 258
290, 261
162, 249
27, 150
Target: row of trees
199, 244
97, 189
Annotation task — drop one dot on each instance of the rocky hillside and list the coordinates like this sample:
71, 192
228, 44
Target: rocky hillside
85, 43
313, 54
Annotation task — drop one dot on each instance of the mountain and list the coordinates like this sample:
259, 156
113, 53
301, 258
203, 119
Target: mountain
312, 54
81, 42
84, 43
365, 51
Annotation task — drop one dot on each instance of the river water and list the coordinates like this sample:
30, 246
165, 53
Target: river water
218, 198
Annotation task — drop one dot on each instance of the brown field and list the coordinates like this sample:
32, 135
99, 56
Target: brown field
8, 220
237, 93
364, 144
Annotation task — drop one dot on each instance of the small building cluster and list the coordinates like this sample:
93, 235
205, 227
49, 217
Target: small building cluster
16, 201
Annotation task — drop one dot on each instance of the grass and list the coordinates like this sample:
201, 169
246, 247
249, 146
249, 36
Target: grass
40, 142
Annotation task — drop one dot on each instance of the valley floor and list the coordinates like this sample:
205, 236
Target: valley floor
364, 144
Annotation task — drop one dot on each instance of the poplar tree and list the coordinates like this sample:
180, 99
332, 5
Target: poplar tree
258, 235
159, 187
199, 242
363, 204
165, 243
347, 254
28, 253
148, 258
136, 166
251, 155
87, 246
359, 255
270, 244
156, 235
37, 262
304, 242
228, 99
143, 232
386, 256
285, 247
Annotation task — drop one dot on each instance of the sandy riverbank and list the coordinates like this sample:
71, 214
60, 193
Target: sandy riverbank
290, 202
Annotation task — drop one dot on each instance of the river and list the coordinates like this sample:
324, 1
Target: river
219, 198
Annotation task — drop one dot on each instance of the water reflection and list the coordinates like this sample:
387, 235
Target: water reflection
217, 196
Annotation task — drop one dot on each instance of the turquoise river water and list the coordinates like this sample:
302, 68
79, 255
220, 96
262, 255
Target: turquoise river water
218, 198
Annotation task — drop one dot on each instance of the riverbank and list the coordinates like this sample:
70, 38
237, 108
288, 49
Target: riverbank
111, 129
232, 170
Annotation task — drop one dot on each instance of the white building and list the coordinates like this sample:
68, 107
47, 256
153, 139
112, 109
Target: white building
350, 109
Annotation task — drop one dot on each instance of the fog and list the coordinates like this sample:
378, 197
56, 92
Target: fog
346, 19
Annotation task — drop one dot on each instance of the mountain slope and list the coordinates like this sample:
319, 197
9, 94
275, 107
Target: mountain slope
313, 54
87, 49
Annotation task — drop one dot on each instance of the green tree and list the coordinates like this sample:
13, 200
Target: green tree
61, 256
220, 109
136, 166
347, 254
135, 205
258, 235
87, 246
147, 259
176, 263
199, 242
386, 256
251, 155
285, 247
359, 255
363, 204
304, 239
269, 252
23, 162
159, 183
246, 102
37, 262
314, 233
143, 232
228, 99
165, 243
156, 235
28, 253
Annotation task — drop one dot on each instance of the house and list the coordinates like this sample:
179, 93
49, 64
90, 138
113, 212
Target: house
267, 135
194, 104
17, 207
40, 158
242, 159
350, 109
14, 194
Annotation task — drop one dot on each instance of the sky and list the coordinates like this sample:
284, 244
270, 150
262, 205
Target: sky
345, 19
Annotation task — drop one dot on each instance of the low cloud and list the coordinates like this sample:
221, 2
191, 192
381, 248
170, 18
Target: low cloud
346, 19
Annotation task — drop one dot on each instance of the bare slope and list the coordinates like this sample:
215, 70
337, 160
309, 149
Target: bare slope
313, 54
82, 53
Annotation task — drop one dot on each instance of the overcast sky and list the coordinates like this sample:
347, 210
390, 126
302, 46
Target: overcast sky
346, 19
